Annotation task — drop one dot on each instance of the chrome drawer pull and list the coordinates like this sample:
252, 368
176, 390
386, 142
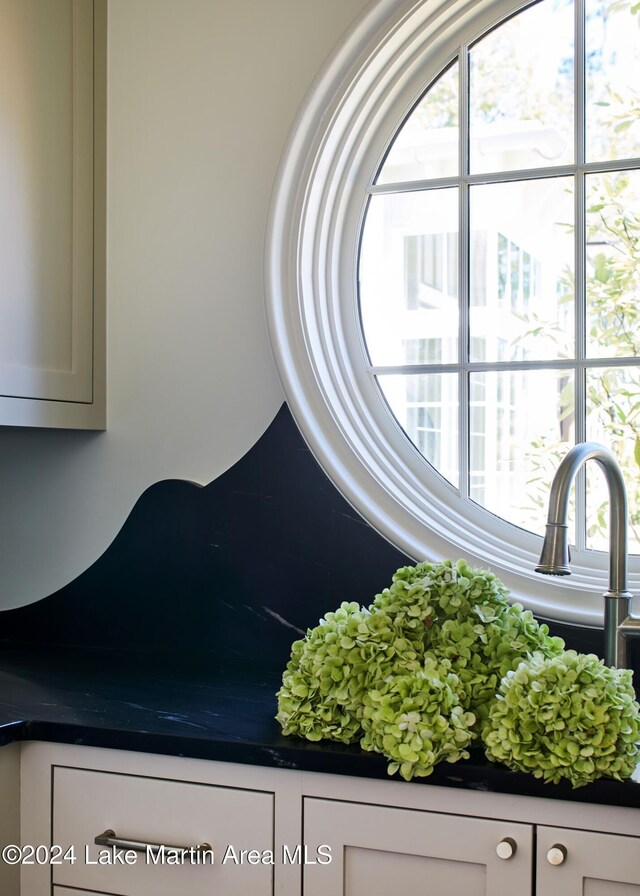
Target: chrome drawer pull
109, 838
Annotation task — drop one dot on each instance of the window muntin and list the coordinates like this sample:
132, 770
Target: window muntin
539, 279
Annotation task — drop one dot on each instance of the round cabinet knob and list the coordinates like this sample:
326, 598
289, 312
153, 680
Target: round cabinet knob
506, 849
557, 854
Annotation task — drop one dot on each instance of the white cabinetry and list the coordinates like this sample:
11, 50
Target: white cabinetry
242, 816
181, 831
589, 863
285, 832
378, 850
52, 213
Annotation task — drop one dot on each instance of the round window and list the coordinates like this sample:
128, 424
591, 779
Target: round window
453, 281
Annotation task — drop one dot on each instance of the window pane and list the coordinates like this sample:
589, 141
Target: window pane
521, 91
426, 406
521, 274
613, 63
613, 418
409, 278
427, 144
521, 424
613, 274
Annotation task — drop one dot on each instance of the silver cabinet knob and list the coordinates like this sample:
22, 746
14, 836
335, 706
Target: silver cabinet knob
506, 849
557, 854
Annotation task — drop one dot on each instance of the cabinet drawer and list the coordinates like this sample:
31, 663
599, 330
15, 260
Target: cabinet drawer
237, 823
66, 891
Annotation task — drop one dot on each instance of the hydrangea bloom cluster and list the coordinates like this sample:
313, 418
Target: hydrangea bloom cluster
417, 720
420, 675
331, 670
467, 619
565, 717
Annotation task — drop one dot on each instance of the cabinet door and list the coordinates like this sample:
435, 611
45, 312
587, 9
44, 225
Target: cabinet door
589, 864
377, 851
50, 274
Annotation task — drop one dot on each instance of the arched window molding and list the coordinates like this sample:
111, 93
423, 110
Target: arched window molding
353, 111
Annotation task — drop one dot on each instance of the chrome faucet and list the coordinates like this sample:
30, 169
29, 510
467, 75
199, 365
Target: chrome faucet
619, 622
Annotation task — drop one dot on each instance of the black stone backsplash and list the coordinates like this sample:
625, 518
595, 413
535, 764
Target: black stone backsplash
237, 569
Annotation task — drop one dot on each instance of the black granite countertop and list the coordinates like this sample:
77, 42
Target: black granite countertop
191, 706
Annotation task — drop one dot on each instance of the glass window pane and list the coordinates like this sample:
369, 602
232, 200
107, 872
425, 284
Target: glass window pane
612, 66
426, 407
523, 269
613, 273
520, 266
613, 418
409, 278
521, 91
521, 424
427, 144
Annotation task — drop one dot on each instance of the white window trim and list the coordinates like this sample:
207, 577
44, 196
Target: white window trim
372, 80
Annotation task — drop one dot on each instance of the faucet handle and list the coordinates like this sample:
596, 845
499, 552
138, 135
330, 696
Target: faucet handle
555, 556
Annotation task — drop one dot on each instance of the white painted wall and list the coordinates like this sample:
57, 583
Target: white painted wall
201, 97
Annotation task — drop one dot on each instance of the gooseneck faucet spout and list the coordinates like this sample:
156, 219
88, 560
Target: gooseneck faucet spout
619, 624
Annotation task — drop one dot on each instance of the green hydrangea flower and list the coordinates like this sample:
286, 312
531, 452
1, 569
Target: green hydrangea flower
462, 614
330, 671
441, 658
417, 720
486, 644
565, 717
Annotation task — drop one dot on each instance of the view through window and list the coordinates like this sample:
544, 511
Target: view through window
499, 268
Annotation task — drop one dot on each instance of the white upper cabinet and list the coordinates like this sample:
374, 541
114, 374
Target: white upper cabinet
52, 211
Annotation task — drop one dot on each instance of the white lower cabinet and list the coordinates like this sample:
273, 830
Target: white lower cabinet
285, 833
376, 850
585, 863
129, 824
159, 836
